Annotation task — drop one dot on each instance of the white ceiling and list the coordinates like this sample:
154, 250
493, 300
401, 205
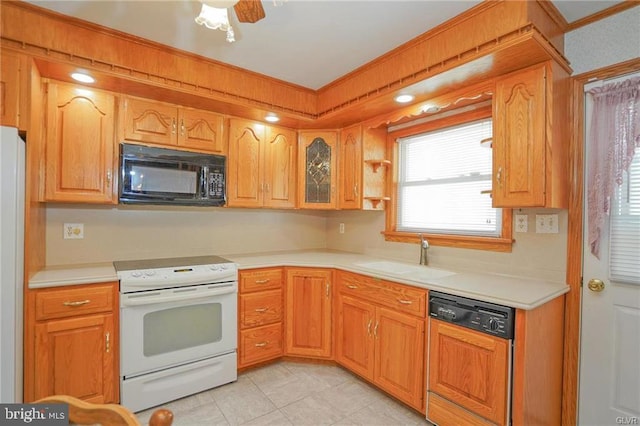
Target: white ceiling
309, 43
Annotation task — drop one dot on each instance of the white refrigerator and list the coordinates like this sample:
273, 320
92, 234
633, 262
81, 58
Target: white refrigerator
12, 190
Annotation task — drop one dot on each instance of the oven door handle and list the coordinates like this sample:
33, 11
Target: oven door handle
174, 296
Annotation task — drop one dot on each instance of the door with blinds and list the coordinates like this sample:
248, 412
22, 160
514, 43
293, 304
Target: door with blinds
610, 324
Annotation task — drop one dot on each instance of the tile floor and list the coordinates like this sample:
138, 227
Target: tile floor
287, 393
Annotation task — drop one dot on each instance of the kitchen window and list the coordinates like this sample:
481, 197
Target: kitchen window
443, 184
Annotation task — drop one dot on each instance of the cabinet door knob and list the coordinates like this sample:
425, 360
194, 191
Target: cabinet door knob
173, 126
327, 289
375, 330
107, 342
596, 285
109, 177
355, 190
499, 176
182, 128
369, 328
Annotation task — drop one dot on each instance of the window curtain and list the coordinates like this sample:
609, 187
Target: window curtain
615, 135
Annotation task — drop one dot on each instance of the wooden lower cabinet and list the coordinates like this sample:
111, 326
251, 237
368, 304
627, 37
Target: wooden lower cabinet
308, 313
260, 313
382, 345
469, 369
76, 357
75, 347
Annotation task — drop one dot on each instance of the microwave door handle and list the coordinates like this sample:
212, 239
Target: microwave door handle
204, 183
175, 297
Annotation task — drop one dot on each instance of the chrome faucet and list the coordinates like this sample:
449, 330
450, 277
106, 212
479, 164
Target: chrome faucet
424, 246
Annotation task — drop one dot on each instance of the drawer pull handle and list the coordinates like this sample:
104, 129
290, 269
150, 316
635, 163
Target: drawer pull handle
262, 281
261, 344
261, 310
352, 287
405, 302
78, 303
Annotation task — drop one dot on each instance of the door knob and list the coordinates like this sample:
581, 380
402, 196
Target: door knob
596, 285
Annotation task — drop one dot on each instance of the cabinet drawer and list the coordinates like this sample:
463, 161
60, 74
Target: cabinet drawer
396, 296
260, 308
260, 344
260, 279
66, 302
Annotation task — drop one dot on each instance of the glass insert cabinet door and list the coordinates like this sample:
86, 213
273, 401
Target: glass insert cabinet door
317, 163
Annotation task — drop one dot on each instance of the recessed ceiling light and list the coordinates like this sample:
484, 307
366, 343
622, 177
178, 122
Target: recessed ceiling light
403, 99
272, 118
82, 78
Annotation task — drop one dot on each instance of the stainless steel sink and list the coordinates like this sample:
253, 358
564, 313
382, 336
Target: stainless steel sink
414, 272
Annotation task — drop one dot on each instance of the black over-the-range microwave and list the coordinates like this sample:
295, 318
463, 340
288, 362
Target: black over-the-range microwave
167, 176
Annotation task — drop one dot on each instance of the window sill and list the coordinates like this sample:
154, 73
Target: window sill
458, 241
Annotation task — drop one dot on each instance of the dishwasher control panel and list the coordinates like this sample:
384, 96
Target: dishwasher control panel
490, 318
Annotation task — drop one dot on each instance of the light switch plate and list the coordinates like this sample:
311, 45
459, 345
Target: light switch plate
547, 223
522, 223
73, 231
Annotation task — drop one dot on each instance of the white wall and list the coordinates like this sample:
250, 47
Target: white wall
126, 232
534, 255
605, 42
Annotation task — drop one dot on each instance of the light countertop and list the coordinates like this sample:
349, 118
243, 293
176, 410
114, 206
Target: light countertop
517, 292
55, 276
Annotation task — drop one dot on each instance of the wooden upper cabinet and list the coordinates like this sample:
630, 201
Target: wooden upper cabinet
529, 139
308, 312
201, 130
80, 145
362, 168
149, 121
317, 169
13, 89
350, 160
166, 124
244, 172
261, 170
280, 167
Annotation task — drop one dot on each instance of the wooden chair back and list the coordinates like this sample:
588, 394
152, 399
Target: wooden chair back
87, 413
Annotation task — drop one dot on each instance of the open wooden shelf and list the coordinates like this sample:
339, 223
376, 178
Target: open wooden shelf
376, 200
378, 163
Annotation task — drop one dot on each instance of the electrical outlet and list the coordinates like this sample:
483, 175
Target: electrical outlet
522, 223
547, 223
341, 228
73, 231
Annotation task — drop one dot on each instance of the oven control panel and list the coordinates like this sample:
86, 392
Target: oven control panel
486, 317
159, 278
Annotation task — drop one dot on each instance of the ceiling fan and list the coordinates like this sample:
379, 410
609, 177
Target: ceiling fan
214, 14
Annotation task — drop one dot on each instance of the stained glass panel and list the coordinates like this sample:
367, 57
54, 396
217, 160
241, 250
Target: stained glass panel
318, 173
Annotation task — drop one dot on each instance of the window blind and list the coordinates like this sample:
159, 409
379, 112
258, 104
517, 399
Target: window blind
441, 176
624, 251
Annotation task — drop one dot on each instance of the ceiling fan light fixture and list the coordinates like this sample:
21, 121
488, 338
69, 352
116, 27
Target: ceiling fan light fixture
216, 18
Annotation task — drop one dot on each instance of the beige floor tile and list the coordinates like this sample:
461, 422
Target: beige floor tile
274, 418
311, 410
350, 396
242, 401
